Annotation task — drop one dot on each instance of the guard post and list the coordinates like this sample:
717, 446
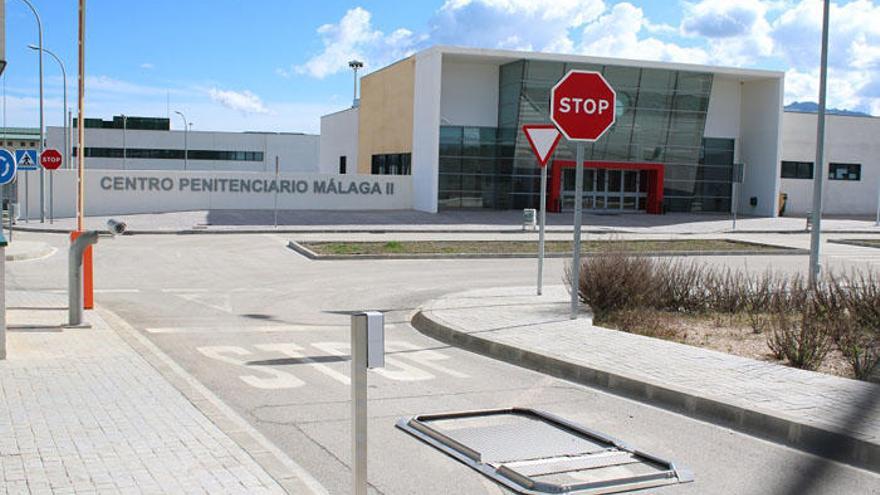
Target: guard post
75, 299
367, 351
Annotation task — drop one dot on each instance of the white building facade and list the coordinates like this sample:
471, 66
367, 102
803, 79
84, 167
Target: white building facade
149, 144
451, 118
851, 179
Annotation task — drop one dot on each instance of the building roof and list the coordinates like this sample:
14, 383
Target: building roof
504, 56
20, 133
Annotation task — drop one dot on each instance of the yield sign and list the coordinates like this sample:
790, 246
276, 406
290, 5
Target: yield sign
543, 139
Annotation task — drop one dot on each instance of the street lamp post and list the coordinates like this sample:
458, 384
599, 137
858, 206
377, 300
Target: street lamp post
816, 233
40, 51
63, 110
355, 65
185, 139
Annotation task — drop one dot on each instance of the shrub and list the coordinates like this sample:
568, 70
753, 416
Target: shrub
800, 337
857, 321
614, 282
641, 321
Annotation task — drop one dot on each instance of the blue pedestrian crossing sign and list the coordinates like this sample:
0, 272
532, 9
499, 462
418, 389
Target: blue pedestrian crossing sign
7, 166
26, 159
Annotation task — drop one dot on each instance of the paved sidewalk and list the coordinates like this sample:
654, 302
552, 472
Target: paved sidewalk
503, 221
835, 417
82, 412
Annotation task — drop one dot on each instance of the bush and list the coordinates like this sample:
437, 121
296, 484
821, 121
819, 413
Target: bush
650, 323
857, 322
615, 282
802, 338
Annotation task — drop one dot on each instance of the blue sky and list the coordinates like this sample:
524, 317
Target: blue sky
280, 64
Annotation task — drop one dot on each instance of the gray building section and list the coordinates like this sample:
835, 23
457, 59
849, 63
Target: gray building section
2, 36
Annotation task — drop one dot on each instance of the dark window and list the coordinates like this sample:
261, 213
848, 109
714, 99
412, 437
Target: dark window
176, 154
797, 170
342, 160
845, 171
391, 164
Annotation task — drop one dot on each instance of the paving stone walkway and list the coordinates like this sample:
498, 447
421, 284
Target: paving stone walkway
82, 412
759, 397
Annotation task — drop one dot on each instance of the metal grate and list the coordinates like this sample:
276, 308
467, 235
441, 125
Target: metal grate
534, 452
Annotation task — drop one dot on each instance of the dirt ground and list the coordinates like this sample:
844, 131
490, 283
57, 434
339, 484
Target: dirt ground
731, 334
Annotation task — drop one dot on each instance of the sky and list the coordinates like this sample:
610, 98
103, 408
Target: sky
278, 65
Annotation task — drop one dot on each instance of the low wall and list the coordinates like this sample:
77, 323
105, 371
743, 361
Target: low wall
116, 192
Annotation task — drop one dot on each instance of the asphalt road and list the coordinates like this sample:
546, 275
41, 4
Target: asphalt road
267, 331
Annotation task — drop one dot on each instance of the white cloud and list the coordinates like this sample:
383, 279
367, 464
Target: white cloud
617, 34
244, 101
737, 33
354, 37
147, 66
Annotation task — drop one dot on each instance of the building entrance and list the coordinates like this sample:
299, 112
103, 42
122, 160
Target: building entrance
608, 187
607, 190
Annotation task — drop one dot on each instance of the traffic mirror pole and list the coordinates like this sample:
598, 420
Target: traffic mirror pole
578, 206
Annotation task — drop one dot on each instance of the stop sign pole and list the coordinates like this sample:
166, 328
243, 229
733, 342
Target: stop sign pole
582, 105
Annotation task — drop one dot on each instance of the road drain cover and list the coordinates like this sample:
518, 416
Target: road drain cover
534, 452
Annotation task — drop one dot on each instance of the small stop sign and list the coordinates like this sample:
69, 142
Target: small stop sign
50, 159
582, 105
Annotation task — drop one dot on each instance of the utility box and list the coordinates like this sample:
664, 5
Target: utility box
530, 219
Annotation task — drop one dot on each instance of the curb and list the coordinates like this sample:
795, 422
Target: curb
308, 253
778, 429
854, 242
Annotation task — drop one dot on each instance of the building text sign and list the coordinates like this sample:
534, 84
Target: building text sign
261, 185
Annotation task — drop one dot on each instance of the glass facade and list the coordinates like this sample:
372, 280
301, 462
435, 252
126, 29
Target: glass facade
661, 116
173, 154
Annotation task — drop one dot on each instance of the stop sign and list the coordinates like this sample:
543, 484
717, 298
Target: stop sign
50, 159
582, 105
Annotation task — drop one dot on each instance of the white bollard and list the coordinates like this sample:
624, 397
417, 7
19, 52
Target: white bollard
367, 351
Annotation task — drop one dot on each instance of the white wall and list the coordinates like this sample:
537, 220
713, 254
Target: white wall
469, 94
426, 130
847, 140
106, 192
761, 144
339, 137
295, 152
723, 115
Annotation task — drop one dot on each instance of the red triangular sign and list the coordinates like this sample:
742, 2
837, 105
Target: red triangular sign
543, 139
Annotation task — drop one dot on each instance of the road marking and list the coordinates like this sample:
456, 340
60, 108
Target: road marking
116, 291
405, 367
293, 351
243, 329
277, 379
174, 291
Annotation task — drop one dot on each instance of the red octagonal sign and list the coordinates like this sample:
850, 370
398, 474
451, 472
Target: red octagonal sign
50, 159
582, 105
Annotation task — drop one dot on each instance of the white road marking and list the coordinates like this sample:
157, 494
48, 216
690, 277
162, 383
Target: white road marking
277, 379
293, 351
176, 290
424, 357
117, 291
241, 329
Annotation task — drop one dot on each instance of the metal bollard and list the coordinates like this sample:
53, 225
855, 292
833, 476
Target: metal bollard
2, 296
75, 276
367, 351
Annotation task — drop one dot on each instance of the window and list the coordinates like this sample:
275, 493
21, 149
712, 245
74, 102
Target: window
391, 164
173, 154
797, 170
845, 171
342, 160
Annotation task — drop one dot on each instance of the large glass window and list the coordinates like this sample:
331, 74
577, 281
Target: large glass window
392, 164
797, 170
661, 116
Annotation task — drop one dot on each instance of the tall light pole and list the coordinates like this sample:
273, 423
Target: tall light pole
815, 234
63, 110
185, 140
80, 118
355, 65
40, 51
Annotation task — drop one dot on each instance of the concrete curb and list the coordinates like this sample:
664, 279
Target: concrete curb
779, 429
215, 231
308, 253
854, 242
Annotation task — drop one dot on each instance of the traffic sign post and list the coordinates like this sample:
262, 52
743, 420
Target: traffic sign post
26, 160
51, 159
543, 140
582, 105
7, 175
